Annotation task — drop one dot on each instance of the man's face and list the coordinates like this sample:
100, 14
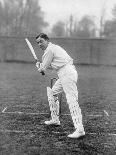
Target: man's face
42, 43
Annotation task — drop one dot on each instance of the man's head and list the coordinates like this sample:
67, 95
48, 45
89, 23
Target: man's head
42, 40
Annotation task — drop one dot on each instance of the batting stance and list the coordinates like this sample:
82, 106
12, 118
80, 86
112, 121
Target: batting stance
56, 57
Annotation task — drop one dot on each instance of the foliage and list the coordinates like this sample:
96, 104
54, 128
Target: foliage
58, 29
110, 25
110, 28
85, 28
114, 11
20, 17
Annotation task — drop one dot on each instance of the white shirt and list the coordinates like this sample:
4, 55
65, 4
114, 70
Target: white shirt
55, 57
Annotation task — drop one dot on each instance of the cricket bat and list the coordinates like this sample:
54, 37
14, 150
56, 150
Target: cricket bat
33, 52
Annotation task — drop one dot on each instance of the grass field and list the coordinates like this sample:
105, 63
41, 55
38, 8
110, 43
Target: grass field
24, 108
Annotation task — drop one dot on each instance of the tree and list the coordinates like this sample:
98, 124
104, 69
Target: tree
102, 18
114, 12
110, 25
58, 29
85, 27
21, 17
33, 17
110, 28
71, 25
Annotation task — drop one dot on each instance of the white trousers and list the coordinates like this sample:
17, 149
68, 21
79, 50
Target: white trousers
67, 82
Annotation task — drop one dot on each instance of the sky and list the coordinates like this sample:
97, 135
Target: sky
56, 10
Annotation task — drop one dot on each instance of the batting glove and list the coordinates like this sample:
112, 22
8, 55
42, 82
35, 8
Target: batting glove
38, 65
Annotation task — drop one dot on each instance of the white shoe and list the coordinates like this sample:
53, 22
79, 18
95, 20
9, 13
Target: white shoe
76, 134
51, 122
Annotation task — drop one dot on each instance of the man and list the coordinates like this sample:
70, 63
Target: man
56, 57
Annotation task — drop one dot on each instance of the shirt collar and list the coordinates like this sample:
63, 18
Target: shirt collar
49, 44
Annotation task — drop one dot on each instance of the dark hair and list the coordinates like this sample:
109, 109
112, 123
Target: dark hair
43, 35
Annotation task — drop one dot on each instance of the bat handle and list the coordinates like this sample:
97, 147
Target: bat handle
42, 72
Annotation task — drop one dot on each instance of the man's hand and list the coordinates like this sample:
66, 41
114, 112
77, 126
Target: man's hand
38, 65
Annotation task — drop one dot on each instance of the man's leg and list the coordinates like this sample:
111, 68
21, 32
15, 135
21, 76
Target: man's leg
70, 88
54, 103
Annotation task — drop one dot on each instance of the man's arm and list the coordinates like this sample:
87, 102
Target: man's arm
46, 61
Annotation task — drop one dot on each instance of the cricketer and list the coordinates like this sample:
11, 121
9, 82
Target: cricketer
58, 59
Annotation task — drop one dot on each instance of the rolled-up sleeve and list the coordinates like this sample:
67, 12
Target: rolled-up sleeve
46, 60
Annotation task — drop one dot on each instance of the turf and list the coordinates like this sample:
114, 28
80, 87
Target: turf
23, 101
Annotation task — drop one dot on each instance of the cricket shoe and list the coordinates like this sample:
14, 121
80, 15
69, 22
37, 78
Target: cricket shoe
77, 134
52, 122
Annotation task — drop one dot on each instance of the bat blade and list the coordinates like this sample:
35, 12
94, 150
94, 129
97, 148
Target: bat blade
33, 52
31, 48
